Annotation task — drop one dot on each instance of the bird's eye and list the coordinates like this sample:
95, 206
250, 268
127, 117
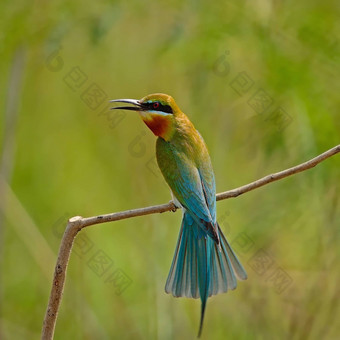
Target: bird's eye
155, 105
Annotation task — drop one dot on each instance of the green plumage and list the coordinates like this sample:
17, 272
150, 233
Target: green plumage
185, 164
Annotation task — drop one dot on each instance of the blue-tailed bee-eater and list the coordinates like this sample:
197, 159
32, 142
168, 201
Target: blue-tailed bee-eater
204, 264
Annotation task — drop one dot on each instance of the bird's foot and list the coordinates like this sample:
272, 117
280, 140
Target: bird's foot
175, 206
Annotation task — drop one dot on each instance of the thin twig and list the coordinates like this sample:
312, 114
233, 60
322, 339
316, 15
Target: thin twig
278, 175
75, 224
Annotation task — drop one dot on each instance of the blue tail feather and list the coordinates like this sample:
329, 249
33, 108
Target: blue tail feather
199, 268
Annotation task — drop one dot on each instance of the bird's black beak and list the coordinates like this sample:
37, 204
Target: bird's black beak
136, 104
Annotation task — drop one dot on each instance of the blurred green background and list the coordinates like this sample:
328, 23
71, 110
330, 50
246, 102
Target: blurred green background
260, 81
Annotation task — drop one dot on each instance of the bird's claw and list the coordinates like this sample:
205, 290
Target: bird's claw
174, 206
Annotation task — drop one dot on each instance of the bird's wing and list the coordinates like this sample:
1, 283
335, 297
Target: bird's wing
208, 185
189, 185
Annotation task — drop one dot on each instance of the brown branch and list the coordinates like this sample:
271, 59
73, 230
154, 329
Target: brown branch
75, 224
278, 175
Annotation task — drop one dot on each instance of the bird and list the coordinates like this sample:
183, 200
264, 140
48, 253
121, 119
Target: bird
204, 263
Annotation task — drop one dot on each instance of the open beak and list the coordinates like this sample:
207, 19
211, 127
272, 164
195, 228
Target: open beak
136, 104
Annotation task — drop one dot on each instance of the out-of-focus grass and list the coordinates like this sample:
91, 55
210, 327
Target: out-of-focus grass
69, 160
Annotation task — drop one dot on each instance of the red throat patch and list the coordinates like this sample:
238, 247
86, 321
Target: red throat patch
159, 125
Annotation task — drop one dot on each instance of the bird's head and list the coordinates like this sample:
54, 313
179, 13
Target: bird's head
158, 111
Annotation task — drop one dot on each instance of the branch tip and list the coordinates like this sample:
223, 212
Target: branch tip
75, 219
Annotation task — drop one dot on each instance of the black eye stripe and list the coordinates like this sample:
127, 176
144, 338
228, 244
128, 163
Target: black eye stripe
164, 108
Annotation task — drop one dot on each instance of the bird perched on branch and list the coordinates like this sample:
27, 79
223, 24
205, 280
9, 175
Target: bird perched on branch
204, 264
